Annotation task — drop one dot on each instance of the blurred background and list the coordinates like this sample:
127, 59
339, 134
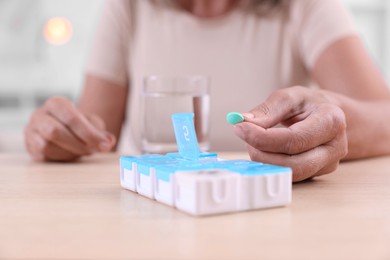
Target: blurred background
44, 46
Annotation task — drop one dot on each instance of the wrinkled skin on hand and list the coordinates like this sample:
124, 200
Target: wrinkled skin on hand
58, 131
296, 127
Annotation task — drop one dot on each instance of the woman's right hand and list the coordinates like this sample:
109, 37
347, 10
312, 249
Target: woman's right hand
58, 131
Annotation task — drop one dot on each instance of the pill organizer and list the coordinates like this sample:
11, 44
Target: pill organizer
201, 183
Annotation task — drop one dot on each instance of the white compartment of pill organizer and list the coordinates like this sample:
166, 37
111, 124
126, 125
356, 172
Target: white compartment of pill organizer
164, 191
164, 187
128, 175
264, 191
128, 179
144, 179
206, 192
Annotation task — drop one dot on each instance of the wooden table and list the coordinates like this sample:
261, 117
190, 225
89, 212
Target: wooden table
79, 211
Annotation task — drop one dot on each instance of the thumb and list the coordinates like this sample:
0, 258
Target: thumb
110, 143
265, 115
98, 123
279, 107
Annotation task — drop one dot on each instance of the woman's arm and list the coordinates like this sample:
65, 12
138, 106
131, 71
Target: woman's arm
106, 100
358, 88
346, 119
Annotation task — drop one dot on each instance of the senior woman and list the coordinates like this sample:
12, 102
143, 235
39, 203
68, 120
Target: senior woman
298, 64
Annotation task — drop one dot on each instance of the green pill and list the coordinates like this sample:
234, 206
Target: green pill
234, 118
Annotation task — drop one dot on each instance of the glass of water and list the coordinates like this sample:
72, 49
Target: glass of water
163, 96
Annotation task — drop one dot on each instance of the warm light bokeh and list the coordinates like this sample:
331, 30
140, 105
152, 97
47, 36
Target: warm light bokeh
58, 30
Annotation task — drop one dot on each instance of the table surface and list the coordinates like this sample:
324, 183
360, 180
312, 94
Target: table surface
79, 211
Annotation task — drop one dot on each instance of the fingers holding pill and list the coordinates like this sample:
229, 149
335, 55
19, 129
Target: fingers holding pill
234, 118
312, 140
319, 127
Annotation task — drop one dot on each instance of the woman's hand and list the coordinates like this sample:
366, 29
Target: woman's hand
313, 140
58, 131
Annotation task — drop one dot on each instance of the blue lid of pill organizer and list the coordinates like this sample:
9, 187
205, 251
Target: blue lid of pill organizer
127, 161
187, 143
163, 172
246, 167
201, 155
259, 169
234, 163
145, 163
174, 155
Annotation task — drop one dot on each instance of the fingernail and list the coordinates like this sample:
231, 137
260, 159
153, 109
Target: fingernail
248, 115
107, 137
105, 146
239, 131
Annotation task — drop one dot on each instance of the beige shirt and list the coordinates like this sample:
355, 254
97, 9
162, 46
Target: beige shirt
246, 56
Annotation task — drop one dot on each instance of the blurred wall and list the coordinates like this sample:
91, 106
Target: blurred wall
32, 69
372, 18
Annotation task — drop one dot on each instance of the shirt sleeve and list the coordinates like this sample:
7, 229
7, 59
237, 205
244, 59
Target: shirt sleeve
109, 53
321, 23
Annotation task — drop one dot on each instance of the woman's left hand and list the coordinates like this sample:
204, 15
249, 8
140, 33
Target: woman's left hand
313, 139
